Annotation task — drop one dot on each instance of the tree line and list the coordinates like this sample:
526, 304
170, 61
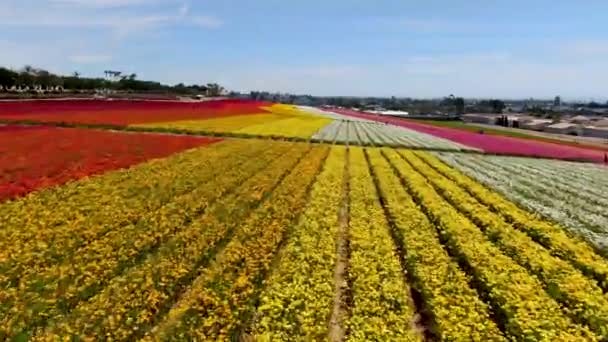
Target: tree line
32, 78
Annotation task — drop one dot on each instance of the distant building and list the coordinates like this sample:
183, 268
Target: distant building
391, 112
557, 102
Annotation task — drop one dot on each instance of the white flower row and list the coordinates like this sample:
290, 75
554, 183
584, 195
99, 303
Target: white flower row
373, 133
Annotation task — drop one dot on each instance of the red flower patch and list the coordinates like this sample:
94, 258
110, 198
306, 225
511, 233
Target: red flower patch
32, 158
121, 112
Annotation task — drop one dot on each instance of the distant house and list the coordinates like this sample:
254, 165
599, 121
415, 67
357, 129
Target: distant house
391, 112
563, 128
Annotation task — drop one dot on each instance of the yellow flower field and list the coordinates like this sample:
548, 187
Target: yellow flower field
225, 124
261, 240
277, 121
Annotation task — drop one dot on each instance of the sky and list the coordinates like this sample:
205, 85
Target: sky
432, 48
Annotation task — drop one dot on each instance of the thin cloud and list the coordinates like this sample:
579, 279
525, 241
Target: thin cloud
206, 22
430, 25
100, 3
122, 21
184, 10
90, 59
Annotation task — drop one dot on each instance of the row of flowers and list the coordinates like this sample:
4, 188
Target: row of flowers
489, 143
44, 286
221, 298
360, 132
297, 300
214, 125
382, 308
32, 158
456, 311
132, 302
122, 113
528, 311
581, 297
552, 236
98, 206
277, 121
578, 204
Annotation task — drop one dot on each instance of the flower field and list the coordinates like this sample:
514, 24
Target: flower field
360, 132
296, 224
572, 194
279, 121
33, 157
235, 118
122, 112
501, 145
254, 239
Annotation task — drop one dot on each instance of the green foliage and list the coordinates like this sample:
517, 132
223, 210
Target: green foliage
30, 77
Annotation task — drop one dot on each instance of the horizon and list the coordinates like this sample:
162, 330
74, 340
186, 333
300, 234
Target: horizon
507, 49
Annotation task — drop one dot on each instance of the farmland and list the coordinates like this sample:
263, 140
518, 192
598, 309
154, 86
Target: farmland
494, 144
296, 224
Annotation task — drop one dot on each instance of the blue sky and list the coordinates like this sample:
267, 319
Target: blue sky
427, 48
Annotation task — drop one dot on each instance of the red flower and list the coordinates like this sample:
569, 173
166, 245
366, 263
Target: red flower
36, 157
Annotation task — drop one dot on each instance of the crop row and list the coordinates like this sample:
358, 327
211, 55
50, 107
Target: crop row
102, 205
581, 296
252, 239
123, 113
275, 121
550, 235
526, 310
222, 124
578, 205
456, 311
148, 289
299, 127
373, 133
220, 299
50, 289
382, 307
298, 295
32, 157
486, 142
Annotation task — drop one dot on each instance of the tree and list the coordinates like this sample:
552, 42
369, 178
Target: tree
459, 104
453, 104
214, 89
8, 77
497, 106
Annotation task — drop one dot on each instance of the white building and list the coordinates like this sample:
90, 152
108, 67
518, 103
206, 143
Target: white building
391, 113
